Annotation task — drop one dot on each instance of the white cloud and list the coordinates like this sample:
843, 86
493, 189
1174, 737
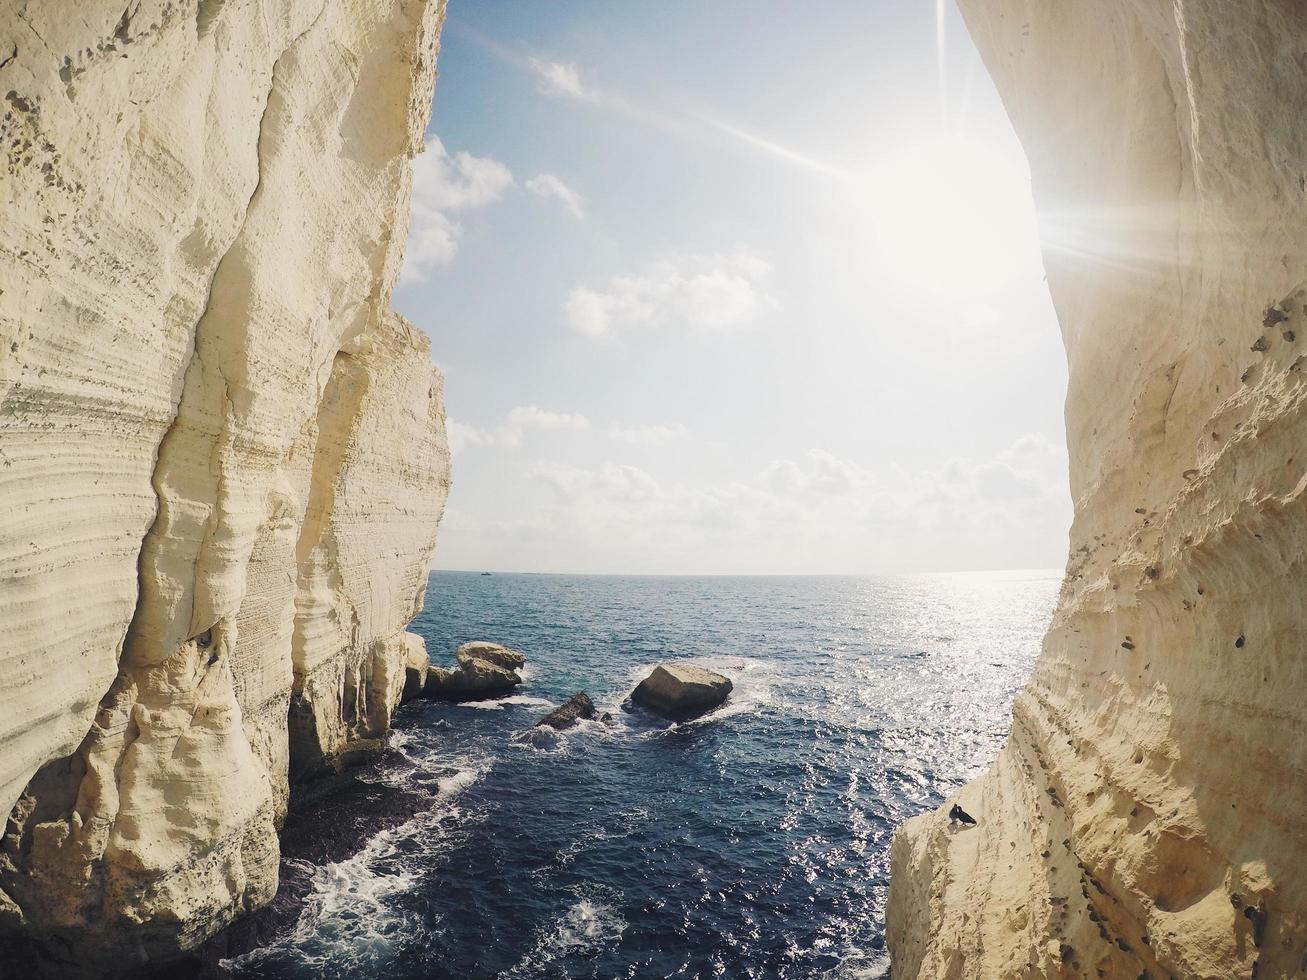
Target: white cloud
703, 291
511, 433
647, 435
823, 474
562, 79
444, 186
817, 512
1030, 470
548, 187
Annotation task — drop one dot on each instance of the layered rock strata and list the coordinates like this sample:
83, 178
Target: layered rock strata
222, 457
1145, 816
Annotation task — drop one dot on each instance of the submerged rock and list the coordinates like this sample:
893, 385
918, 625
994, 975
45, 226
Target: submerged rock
539, 737
473, 680
500, 656
681, 691
574, 709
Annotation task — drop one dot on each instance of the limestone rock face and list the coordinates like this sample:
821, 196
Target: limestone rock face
472, 680
681, 690
416, 665
493, 652
1145, 816
222, 458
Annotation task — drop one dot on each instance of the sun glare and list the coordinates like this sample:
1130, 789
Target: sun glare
952, 211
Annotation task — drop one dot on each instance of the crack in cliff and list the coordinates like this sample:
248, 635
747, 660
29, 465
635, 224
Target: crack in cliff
159, 473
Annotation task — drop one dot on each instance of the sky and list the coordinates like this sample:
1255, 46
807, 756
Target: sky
717, 288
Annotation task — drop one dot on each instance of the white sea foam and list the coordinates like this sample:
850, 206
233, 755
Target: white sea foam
588, 927
348, 921
861, 966
458, 782
351, 921
500, 703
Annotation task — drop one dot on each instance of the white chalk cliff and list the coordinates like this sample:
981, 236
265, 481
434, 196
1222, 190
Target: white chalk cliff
1147, 815
222, 455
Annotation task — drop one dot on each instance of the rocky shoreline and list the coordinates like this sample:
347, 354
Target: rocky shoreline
330, 820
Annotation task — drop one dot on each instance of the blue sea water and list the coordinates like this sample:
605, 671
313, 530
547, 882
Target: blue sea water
753, 842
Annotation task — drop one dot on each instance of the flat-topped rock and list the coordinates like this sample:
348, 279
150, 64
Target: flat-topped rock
681, 690
500, 656
574, 709
473, 680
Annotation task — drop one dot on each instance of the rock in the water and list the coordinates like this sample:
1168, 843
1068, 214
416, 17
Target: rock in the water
567, 714
500, 656
681, 691
539, 737
473, 680
416, 666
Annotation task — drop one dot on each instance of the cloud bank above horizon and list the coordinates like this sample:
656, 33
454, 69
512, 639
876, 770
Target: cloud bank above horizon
722, 324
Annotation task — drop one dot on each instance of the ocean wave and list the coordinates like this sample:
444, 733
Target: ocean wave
589, 926
351, 923
348, 923
499, 704
861, 966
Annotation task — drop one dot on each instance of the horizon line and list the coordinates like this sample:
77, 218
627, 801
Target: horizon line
954, 571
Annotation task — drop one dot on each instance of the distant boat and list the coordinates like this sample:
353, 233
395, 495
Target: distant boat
485, 573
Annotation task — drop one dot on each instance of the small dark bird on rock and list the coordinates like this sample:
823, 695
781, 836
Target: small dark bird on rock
961, 815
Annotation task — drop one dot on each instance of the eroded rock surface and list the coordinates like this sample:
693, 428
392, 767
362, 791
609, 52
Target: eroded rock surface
496, 654
1145, 816
681, 690
472, 680
222, 457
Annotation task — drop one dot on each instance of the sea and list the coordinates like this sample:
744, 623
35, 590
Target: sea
750, 843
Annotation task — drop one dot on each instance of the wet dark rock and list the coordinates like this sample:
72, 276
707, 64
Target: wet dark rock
539, 736
574, 709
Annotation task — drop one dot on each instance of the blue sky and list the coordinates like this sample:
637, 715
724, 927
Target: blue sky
719, 288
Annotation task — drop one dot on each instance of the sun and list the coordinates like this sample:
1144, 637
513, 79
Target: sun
950, 212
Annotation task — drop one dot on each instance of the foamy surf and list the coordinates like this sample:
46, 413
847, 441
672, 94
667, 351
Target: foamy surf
351, 921
589, 926
499, 704
859, 966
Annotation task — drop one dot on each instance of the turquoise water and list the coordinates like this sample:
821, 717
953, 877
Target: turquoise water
753, 842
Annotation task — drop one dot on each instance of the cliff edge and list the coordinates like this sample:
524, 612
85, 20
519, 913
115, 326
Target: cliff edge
1145, 818
222, 456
